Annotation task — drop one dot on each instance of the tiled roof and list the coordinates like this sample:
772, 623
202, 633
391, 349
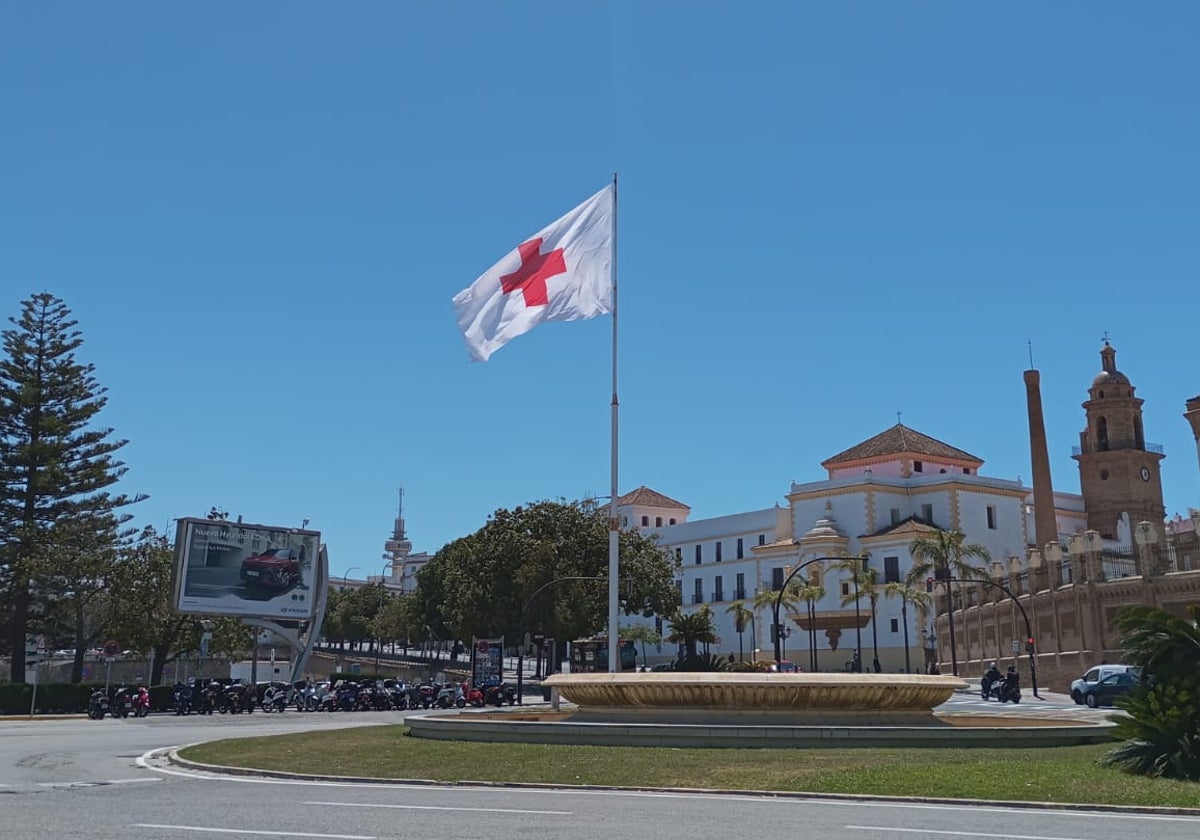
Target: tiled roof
909, 525
897, 440
646, 497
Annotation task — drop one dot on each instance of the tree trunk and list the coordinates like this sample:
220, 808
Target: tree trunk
77, 661
18, 626
875, 636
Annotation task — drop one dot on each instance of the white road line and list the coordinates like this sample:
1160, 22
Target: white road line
443, 808
890, 829
131, 781
257, 833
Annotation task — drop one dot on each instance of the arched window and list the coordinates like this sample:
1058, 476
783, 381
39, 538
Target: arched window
1138, 435
1101, 435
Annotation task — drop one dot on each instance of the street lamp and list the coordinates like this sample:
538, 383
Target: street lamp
382, 590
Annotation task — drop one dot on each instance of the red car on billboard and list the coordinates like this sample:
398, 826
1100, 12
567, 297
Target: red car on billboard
275, 568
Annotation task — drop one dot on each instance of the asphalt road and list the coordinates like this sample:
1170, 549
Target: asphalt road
98, 780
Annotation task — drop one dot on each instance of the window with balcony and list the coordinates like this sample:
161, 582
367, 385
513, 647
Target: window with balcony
719, 589
777, 578
739, 593
698, 592
762, 539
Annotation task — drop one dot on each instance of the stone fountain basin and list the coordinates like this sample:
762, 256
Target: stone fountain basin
755, 698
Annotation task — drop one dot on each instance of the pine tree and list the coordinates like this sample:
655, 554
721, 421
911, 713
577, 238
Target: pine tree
56, 464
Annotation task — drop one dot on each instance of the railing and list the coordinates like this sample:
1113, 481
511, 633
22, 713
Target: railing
1116, 444
739, 594
697, 599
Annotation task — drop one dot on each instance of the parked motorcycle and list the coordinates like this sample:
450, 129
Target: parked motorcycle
347, 696
237, 698
449, 694
275, 697
306, 697
426, 695
397, 693
181, 699
472, 696
98, 705
122, 702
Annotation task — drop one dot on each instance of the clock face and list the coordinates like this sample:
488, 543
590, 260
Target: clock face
1145, 473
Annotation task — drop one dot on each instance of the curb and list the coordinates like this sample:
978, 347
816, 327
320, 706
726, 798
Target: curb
174, 758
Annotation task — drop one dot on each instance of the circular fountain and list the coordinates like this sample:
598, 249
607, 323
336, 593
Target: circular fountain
729, 709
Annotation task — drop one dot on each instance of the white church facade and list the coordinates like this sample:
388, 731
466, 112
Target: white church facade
876, 498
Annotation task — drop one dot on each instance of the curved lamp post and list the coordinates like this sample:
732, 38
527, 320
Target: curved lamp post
382, 590
521, 625
1028, 627
777, 630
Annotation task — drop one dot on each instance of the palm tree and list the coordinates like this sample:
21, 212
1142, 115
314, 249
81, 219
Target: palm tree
810, 593
741, 614
690, 629
868, 587
643, 633
766, 600
907, 594
855, 566
946, 555
1162, 731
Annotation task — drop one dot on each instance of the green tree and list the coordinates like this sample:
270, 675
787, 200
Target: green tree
946, 555
867, 585
643, 633
85, 552
479, 585
742, 615
692, 629
907, 595
142, 618
765, 600
1162, 732
808, 592
56, 463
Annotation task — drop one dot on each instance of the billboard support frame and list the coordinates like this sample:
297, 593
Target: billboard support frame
313, 632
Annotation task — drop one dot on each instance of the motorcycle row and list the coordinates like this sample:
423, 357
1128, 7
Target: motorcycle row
335, 696
125, 702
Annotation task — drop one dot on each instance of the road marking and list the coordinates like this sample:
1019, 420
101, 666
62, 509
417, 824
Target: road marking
958, 833
257, 833
443, 808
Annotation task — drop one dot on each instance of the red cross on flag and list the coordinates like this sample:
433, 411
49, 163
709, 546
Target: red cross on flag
561, 273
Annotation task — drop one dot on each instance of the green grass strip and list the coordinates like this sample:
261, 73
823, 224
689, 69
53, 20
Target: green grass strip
1062, 774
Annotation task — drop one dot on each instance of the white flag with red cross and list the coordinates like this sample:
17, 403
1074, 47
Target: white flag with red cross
561, 273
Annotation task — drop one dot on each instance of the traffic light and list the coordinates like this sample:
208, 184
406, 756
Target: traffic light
929, 584
1029, 645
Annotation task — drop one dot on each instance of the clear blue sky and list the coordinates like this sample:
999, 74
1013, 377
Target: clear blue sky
828, 213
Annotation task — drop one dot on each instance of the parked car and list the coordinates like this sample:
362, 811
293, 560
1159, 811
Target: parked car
1082, 687
1106, 692
275, 568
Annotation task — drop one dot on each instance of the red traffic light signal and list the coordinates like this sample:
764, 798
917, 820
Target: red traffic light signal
1029, 644
929, 584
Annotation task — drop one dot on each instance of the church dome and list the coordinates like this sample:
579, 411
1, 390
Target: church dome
825, 527
1106, 377
1109, 375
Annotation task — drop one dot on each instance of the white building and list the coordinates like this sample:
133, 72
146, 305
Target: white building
876, 498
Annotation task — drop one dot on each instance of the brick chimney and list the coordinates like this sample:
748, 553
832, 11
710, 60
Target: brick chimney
1045, 524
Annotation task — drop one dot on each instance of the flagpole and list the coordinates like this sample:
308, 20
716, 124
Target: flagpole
614, 520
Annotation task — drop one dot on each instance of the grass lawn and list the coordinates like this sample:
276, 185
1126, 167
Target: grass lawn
1063, 774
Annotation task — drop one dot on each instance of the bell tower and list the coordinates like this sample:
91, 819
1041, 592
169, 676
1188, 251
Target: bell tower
1118, 470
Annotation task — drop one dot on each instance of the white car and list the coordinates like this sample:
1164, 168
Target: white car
1083, 686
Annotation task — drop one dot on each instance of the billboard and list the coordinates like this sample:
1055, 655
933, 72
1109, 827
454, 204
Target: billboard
237, 569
